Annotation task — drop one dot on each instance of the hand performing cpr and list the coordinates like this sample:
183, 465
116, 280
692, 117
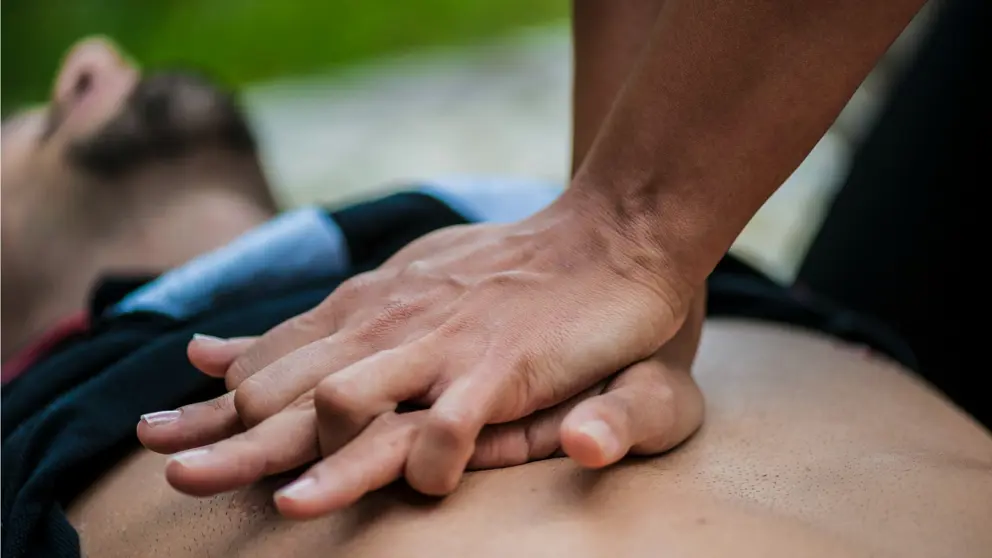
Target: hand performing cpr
511, 342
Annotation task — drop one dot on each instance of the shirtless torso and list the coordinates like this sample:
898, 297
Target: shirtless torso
810, 448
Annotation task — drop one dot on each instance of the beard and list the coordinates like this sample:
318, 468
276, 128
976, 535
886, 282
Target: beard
168, 115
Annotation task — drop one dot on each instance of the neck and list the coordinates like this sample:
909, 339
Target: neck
170, 232
150, 240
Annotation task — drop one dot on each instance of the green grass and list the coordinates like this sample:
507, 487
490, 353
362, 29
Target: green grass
244, 41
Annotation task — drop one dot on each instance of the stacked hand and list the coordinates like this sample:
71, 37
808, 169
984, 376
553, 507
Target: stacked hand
507, 338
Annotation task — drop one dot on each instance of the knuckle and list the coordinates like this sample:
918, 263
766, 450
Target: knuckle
223, 404
239, 370
666, 404
417, 267
503, 446
649, 411
321, 320
250, 401
388, 421
318, 321
664, 395
452, 427
351, 288
532, 443
646, 383
486, 455
345, 290
304, 401
249, 363
333, 396
399, 424
278, 342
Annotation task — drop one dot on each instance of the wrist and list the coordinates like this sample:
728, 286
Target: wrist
629, 236
678, 220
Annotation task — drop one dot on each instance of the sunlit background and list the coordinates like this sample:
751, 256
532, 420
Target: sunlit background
350, 97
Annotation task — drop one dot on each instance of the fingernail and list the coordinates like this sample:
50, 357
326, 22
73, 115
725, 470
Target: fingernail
208, 339
189, 457
300, 488
603, 435
161, 417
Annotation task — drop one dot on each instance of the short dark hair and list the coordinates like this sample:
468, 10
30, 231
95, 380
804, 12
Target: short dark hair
168, 115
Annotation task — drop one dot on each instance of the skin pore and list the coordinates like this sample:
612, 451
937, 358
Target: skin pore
810, 448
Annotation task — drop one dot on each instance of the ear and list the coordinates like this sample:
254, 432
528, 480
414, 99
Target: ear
92, 65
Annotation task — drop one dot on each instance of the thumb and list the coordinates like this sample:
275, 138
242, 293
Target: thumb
213, 355
647, 409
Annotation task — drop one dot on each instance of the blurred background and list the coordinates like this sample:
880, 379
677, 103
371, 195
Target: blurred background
350, 97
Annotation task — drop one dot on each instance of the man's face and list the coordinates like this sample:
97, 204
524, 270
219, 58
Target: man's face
105, 130
90, 88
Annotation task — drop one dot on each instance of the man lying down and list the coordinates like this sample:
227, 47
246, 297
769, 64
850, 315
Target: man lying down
135, 215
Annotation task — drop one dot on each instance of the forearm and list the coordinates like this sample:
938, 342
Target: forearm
608, 40
728, 99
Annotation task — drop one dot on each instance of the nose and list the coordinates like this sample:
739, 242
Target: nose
93, 66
